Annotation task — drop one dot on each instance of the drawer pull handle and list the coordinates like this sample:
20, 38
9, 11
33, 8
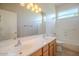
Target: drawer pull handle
20, 52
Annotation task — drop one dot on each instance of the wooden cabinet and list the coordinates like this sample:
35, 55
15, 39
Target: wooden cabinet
55, 48
46, 53
52, 48
47, 50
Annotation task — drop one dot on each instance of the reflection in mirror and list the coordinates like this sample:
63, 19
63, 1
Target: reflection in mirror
8, 25
18, 21
31, 19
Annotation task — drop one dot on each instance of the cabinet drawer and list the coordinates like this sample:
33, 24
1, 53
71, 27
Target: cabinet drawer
46, 53
51, 43
38, 53
45, 48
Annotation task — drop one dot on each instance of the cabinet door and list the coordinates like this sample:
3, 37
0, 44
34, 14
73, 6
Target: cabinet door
51, 49
38, 53
45, 48
55, 49
46, 53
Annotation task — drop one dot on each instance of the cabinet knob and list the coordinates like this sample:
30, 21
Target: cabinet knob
20, 52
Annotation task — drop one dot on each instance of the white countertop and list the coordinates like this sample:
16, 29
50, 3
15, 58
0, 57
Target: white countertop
30, 45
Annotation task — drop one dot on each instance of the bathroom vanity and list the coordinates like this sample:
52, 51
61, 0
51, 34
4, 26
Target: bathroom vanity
48, 50
34, 45
39, 46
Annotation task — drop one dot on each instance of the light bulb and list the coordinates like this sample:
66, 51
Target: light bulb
22, 4
28, 6
33, 8
39, 9
36, 7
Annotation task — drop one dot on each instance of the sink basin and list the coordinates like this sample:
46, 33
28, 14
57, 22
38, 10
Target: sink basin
6, 46
9, 42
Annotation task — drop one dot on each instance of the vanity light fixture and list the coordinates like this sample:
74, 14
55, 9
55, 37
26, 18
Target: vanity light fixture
37, 11
36, 6
29, 6
32, 6
40, 9
33, 9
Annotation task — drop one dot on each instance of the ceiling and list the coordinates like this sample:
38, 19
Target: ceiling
46, 7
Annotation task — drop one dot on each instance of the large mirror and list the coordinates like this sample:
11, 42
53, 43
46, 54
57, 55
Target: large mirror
18, 21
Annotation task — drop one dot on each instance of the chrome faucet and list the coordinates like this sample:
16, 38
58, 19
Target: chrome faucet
18, 43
